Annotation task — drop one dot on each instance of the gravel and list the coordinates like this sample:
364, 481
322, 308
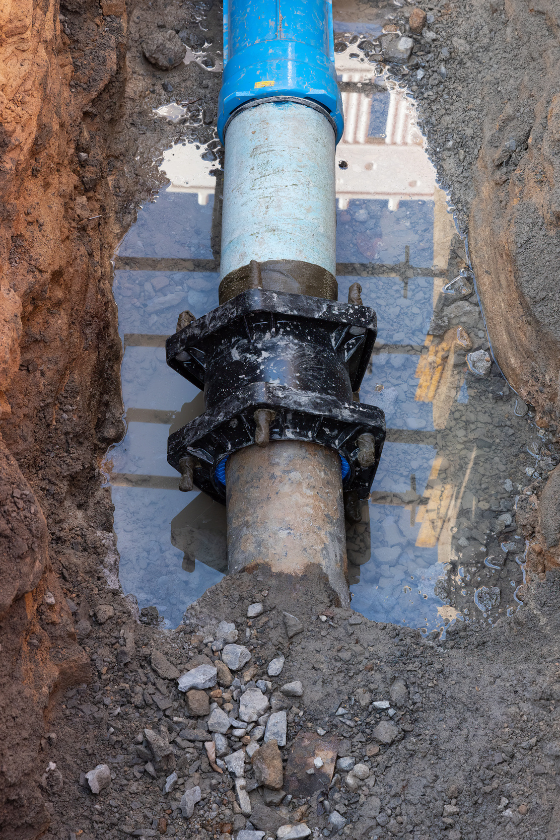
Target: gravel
98, 778
204, 676
189, 800
275, 666
253, 705
276, 728
236, 656
218, 722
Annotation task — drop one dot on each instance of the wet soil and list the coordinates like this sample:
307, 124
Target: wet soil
476, 748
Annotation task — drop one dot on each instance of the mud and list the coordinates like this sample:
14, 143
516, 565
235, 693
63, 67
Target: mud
477, 745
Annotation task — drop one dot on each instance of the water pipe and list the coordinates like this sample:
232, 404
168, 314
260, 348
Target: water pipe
280, 360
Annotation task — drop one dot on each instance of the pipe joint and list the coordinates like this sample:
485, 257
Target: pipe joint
277, 366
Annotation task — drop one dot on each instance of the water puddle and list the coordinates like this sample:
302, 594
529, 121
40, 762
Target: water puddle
437, 540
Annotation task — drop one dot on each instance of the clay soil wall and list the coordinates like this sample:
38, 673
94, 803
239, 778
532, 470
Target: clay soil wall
61, 71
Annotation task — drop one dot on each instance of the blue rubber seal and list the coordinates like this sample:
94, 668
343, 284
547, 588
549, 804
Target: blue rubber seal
220, 471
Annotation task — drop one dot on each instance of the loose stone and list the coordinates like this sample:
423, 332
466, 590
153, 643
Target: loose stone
218, 722
221, 744
235, 656
399, 694
251, 748
275, 666
243, 797
226, 632
276, 728
292, 624
162, 667
361, 771
417, 20
345, 763
252, 705
204, 676
189, 800
385, 732
293, 832
98, 778
164, 49
159, 745
352, 782
198, 702
52, 779
479, 362
254, 610
235, 763
293, 689
273, 797
245, 834
337, 820
395, 49
170, 782
225, 677
267, 764
104, 612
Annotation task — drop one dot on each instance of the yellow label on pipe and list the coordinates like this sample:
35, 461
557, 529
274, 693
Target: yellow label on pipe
264, 84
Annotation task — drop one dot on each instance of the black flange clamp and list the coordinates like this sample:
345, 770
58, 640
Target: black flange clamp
276, 366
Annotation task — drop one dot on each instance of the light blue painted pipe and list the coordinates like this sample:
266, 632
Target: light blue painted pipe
278, 48
279, 187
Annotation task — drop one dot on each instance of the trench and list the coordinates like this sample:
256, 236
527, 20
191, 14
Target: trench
457, 724
437, 542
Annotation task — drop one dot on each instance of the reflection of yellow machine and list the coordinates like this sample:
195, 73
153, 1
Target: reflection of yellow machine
199, 531
439, 381
439, 376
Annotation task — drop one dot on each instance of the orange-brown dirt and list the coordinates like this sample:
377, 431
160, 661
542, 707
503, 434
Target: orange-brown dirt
59, 355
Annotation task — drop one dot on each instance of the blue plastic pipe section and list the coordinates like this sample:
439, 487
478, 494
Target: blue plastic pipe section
278, 48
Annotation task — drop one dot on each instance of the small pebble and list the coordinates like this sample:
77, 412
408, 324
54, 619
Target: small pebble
98, 778
293, 689
235, 656
293, 832
275, 666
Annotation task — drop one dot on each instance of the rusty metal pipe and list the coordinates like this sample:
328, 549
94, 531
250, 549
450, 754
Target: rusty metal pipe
284, 507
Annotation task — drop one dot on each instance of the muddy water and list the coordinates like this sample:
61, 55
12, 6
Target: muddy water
437, 541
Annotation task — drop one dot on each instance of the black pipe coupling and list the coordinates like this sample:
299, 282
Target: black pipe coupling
276, 366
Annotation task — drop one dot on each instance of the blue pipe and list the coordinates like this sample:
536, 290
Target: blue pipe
278, 48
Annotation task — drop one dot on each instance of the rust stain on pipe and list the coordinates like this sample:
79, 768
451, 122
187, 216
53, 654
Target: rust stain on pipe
284, 507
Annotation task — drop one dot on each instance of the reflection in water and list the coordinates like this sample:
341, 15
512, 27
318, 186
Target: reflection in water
437, 537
